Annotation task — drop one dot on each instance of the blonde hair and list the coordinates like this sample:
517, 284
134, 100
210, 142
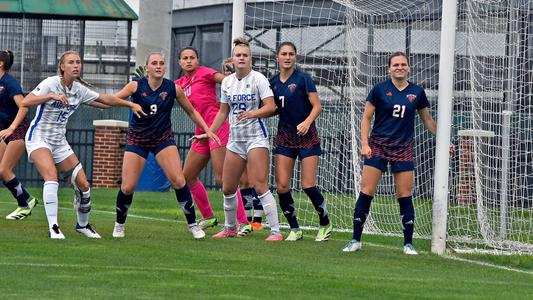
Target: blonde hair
240, 42
61, 72
154, 53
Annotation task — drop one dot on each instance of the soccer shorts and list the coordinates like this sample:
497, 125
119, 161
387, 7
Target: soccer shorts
144, 151
242, 148
298, 152
59, 151
395, 166
19, 133
206, 147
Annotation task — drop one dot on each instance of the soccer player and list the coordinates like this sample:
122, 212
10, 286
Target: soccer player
246, 98
199, 85
393, 103
298, 107
13, 126
153, 133
57, 98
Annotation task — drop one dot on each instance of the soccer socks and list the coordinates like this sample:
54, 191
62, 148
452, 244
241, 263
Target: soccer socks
185, 201
230, 211
319, 203
247, 201
362, 208
241, 213
50, 201
18, 191
287, 206
271, 210
199, 195
122, 206
84, 208
258, 208
407, 216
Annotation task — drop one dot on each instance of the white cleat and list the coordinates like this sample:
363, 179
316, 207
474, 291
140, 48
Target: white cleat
118, 231
409, 249
55, 233
87, 231
197, 232
352, 246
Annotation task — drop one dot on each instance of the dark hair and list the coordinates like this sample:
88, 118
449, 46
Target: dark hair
398, 53
189, 48
7, 57
291, 44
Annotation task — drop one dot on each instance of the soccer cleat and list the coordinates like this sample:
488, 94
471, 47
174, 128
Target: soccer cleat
55, 233
208, 222
352, 246
257, 226
197, 232
244, 230
295, 235
323, 233
225, 233
409, 249
274, 237
87, 231
22, 212
119, 230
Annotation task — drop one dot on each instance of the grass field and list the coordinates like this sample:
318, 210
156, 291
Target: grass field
158, 259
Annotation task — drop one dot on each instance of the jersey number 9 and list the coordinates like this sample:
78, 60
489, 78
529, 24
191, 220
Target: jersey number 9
153, 109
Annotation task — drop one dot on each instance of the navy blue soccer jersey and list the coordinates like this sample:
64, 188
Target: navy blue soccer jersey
292, 100
155, 127
394, 119
9, 87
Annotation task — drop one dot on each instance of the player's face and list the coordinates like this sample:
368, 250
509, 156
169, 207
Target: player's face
71, 66
241, 58
399, 68
156, 67
286, 57
188, 61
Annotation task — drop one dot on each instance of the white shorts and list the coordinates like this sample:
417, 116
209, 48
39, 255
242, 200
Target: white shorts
242, 148
59, 152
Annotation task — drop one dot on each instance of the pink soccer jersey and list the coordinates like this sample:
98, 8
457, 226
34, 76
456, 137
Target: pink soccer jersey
200, 88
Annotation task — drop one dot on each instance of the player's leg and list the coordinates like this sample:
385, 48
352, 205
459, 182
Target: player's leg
310, 159
234, 165
132, 167
284, 167
72, 168
195, 162
403, 179
258, 171
45, 165
10, 154
370, 177
168, 158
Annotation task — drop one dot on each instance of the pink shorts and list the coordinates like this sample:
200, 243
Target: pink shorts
207, 146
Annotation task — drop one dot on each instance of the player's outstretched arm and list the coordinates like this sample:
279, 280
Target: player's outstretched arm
115, 101
33, 100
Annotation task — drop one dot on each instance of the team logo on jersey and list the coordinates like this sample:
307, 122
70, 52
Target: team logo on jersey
292, 87
411, 97
247, 85
389, 93
144, 94
163, 95
2, 89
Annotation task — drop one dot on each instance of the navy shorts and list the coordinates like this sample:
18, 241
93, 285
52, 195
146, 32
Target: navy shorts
298, 152
395, 166
144, 151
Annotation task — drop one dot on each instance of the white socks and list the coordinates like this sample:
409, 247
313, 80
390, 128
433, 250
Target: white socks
50, 201
230, 211
271, 210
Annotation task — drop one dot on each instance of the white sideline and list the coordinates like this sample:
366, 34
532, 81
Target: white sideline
450, 257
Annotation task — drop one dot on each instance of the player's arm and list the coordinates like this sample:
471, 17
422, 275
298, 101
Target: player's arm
268, 109
118, 99
221, 116
370, 109
303, 127
193, 113
98, 104
18, 118
218, 77
428, 120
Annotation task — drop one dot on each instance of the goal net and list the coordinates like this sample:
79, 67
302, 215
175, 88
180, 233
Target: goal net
344, 45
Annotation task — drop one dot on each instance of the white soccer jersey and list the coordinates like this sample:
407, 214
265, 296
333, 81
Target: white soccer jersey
245, 94
50, 121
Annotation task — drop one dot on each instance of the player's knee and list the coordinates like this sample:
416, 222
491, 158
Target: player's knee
282, 187
218, 179
127, 189
227, 190
4, 173
178, 181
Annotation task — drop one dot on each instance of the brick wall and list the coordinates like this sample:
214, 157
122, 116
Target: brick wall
109, 141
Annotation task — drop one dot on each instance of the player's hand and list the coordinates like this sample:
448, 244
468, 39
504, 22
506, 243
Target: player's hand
61, 98
213, 137
199, 137
302, 128
4, 134
245, 115
138, 110
366, 152
227, 66
452, 149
